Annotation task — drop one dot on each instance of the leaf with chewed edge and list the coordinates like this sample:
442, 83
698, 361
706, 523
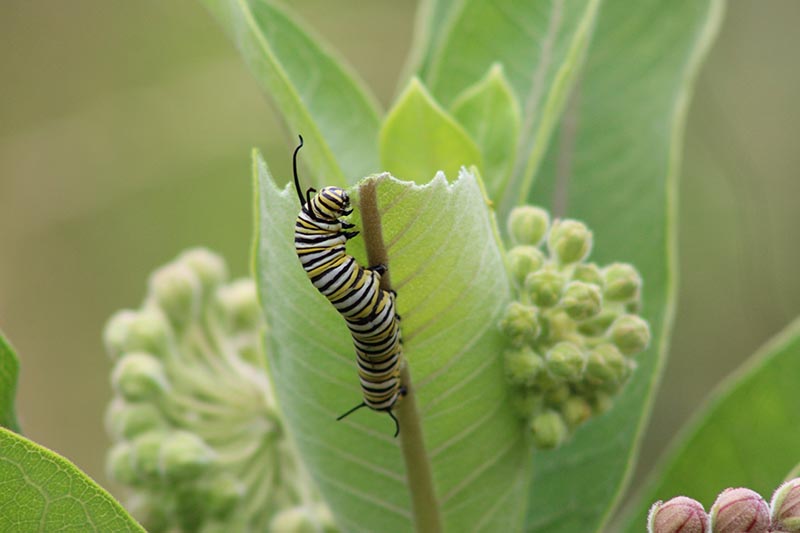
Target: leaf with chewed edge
447, 268
42, 491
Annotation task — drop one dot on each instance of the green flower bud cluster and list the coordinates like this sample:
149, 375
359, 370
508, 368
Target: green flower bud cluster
734, 510
572, 324
197, 437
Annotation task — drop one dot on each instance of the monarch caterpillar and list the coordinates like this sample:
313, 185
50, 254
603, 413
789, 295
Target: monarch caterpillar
369, 311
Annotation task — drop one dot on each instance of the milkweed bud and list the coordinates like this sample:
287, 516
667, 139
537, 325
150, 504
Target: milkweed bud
581, 300
622, 282
146, 453
521, 323
545, 287
570, 241
588, 273
208, 266
605, 364
528, 224
239, 302
139, 376
523, 365
126, 420
598, 324
737, 510
177, 290
678, 515
576, 411
146, 330
565, 361
522, 260
221, 495
526, 401
184, 456
549, 430
785, 507
299, 519
121, 465
630, 334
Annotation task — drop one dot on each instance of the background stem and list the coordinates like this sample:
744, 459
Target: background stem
425, 505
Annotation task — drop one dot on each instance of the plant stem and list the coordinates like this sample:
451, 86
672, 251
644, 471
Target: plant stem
424, 503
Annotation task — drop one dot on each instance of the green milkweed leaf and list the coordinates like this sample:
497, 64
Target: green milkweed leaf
9, 368
419, 137
541, 46
615, 166
746, 436
317, 96
490, 114
42, 491
450, 294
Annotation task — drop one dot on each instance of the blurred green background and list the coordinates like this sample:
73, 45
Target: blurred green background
125, 136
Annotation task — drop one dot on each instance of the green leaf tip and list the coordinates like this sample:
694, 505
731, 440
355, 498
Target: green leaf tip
450, 293
42, 491
9, 369
490, 113
419, 138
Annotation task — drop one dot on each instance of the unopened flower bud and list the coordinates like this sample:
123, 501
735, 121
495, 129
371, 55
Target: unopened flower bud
569, 241
601, 402
221, 494
549, 430
557, 393
565, 360
126, 420
606, 364
622, 282
121, 465
581, 300
588, 273
298, 519
678, 515
523, 365
598, 324
146, 452
239, 303
576, 411
146, 330
521, 323
208, 266
528, 224
177, 290
522, 260
139, 376
785, 507
630, 333
737, 510
526, 402
545, 287
184, 456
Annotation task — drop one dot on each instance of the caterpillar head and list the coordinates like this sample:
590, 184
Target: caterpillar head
332, 203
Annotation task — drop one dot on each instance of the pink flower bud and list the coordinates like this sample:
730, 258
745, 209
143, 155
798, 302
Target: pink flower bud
738, 511
786, 507
678, 515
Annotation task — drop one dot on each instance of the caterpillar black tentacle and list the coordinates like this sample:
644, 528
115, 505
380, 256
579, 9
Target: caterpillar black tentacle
369, 311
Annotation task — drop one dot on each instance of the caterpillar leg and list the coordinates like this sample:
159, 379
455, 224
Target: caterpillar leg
356, 408
378, 269
349, 234
396, 423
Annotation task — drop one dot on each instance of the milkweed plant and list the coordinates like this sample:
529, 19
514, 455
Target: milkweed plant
518, 196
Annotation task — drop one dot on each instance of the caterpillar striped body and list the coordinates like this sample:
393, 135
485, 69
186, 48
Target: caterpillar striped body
370, 313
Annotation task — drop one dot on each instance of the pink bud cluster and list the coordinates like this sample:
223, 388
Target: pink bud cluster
738, 510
